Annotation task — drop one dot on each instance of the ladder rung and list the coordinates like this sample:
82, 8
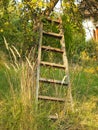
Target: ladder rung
51, 98
53, 117
48, 48
52, 34
52, 65
53, 81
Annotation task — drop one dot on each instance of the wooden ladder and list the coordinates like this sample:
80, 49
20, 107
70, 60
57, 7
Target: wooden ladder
64, 66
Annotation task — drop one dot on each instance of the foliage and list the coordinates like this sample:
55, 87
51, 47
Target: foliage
17, 95
73, 30
17, 107
85, 96
16, 23
19, 25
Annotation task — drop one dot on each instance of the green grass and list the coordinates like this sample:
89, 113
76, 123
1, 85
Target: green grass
85, 85
3, 83
17, 106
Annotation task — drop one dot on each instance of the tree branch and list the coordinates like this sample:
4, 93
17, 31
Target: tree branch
51, 6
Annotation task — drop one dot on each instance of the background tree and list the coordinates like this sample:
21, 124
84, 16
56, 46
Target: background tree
20, 23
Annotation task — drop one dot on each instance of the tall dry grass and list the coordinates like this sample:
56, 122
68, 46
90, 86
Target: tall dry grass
17, 108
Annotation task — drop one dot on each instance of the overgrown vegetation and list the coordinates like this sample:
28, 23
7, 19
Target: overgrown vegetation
17, 106
18, 50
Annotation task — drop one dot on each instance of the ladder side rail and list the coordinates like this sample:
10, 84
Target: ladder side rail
65, 60
38, 62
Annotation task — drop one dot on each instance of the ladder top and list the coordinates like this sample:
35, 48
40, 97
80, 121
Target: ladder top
57, 21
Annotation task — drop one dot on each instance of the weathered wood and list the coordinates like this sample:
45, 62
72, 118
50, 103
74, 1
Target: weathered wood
52, 34
52, 65
48, 48
53, 117
51, 98
53, 81
65, 60
38, 62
